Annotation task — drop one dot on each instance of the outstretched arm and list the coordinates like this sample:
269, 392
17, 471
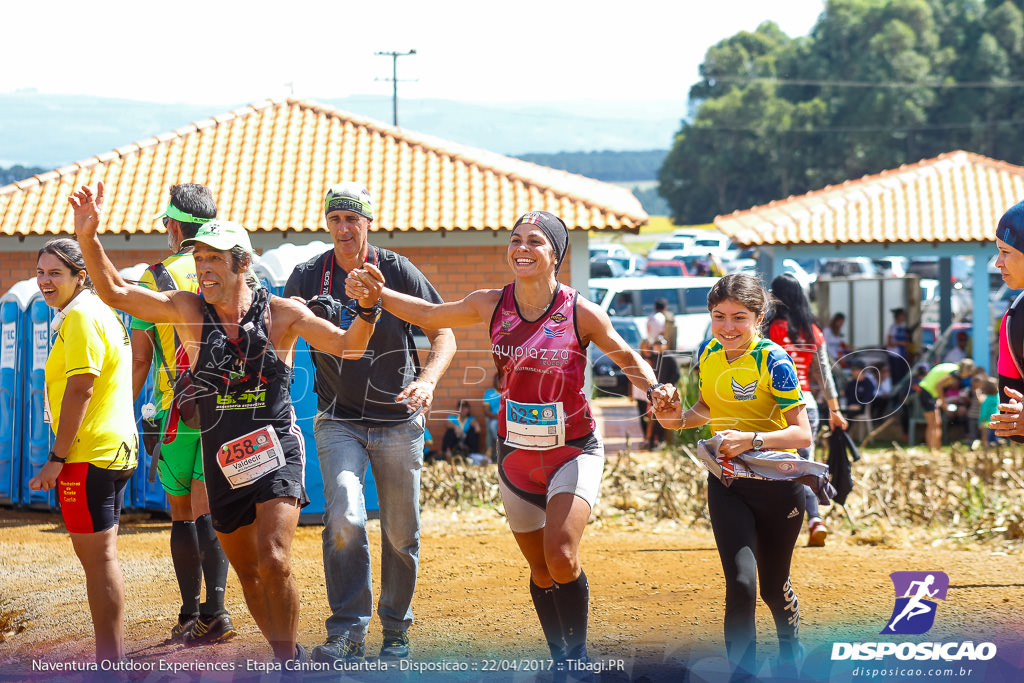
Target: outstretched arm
326, 336
475, 308
595, 325
156, 307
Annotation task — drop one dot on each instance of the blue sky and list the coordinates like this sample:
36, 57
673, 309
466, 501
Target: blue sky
212, 51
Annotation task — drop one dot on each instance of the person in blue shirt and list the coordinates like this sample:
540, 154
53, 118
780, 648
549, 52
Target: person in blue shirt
492, 407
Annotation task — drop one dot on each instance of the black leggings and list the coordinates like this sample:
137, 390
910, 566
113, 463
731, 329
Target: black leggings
756, 525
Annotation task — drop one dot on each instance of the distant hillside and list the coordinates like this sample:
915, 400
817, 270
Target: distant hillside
16, 173
50, 131
607, 165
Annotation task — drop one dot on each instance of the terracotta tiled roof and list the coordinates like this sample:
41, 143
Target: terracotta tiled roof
269, 165
955, 197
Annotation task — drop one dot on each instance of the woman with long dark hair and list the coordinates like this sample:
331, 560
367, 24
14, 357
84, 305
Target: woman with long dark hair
792, 326
95, 446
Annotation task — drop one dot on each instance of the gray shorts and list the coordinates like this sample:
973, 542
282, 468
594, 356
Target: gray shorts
579, 475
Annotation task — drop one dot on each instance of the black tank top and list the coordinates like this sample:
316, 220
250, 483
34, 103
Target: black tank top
242, 386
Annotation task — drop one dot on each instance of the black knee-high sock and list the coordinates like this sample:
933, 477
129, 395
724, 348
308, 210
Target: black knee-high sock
573, 602
185, 558
215, 566
547, 612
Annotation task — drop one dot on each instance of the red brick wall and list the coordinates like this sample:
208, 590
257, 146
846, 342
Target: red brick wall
19, 265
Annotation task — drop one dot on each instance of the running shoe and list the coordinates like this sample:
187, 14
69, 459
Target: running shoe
339, 649
184, 625
817, 532
210, 630
395, 645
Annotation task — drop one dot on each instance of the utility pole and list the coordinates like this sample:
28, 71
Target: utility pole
394, 77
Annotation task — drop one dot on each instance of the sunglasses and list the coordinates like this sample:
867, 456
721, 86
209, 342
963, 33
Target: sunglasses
165, 220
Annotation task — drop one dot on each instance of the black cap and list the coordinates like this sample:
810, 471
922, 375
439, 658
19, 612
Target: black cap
553, 227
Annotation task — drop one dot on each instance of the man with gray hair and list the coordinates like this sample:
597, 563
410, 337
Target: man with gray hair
196, 553
370, 413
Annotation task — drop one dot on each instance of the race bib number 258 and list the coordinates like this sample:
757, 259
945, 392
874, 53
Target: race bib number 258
249, 457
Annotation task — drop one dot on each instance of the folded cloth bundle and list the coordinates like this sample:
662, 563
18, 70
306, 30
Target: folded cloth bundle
767, 465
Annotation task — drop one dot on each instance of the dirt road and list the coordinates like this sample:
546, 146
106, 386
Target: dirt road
657, 603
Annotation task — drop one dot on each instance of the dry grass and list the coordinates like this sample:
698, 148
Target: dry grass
958, 498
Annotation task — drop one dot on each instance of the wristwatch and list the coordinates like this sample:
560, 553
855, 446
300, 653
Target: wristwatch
757, 442
53, 458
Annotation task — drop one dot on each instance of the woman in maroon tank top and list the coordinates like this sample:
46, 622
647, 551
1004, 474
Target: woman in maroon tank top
549, 457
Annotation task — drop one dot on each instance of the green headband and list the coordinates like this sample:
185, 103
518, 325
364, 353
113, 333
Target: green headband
177, 214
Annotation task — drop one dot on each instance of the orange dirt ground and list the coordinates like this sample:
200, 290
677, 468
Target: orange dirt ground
657, 599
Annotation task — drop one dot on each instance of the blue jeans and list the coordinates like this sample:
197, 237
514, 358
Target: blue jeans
396, 455
808, 454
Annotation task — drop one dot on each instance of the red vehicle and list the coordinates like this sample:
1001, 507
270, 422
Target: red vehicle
665, 268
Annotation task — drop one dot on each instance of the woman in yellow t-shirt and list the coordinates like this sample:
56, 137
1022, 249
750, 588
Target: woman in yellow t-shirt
750, 393
95, 448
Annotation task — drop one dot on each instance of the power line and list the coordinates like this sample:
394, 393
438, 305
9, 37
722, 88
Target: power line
394, 78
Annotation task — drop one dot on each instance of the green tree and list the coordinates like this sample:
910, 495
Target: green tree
877, 83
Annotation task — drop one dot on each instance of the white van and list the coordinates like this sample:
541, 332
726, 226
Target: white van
634, 297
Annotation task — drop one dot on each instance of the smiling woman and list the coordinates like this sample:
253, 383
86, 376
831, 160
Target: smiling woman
95, 447
550, 457
750, 393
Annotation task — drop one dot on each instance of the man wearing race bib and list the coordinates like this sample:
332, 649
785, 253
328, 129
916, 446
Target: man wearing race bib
240, 343
195, 551
550, 458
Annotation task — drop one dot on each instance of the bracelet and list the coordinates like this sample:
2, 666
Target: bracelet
683, 418
53, 458
650, 391
371, 314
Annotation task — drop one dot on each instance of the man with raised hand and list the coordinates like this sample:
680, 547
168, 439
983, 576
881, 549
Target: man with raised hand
240, 343
195, 551
370, 413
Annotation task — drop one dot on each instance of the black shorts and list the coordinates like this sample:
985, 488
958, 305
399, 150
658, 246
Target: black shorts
91, 497
928, 402
231, 509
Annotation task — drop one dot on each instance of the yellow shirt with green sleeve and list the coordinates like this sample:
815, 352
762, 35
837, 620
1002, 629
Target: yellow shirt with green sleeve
752, 392
182, 269
92, 339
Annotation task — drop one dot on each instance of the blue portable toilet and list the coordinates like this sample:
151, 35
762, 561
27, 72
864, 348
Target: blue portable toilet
37, 435
273, 268
12, 375
141, 493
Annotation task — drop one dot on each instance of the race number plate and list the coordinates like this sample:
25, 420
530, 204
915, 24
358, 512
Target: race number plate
534, 426
249, 457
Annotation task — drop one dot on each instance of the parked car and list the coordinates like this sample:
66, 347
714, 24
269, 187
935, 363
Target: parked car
606, 267
711, 243
891, 266
665, 268
634, 297
607, 376
1000, 301
928, 267
788, 266
608, 249
857, 266
668, 250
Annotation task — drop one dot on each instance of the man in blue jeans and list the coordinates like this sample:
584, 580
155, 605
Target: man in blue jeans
369, 414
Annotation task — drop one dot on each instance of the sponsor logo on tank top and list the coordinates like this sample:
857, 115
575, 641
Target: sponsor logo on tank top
545, 356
